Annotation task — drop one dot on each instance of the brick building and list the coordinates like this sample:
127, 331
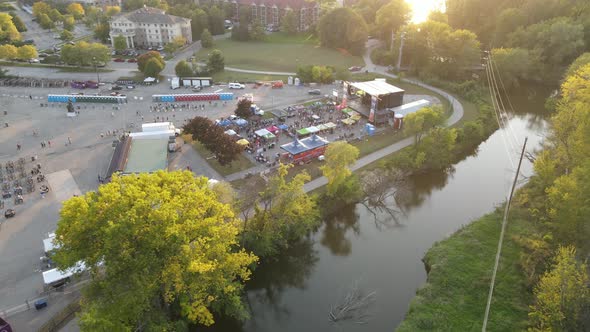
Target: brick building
270, 12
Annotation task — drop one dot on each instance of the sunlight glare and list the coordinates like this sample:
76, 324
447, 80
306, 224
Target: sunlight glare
421, 8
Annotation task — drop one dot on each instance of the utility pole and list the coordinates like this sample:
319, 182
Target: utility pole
401, 49
499, 250
96, 70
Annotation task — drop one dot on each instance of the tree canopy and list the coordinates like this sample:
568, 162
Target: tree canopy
391, 17
206, 39
143, 59
183, 69
350, 33
120, 43
339, 157
8, 31
158, 246
216, 61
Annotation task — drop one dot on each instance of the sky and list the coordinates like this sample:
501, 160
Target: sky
421, 8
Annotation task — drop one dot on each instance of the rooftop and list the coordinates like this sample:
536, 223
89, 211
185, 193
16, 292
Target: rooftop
152, 15
293, 4
147, 155
412, 107
303, 145
376, 87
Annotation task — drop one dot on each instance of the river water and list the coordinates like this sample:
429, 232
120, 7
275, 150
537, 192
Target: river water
375, 253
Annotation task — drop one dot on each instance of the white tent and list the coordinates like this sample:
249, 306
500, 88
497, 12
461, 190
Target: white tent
55, 275
48, 243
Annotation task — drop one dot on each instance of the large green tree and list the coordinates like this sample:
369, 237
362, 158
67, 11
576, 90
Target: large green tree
419, 123
283, 216
158, 247
206, 39
76, 10
216, 21
216, 61
515, 65
153, 68
339, 157
8, 31
183, 69
391, 17
143, 59
199, 22
349, 33
120, 43
289, 23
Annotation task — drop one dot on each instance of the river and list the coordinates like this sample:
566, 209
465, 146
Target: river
381, 255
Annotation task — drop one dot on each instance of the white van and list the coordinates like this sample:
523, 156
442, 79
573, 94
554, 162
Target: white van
236, 86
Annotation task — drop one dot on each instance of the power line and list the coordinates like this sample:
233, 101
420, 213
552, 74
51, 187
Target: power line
501, 240
502, 108
494, 71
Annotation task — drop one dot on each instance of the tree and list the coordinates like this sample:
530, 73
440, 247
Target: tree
175, 44
18, 23
214, 138
101, 32
257, 30
321, 74
438, 16
144, 58
199, 22
26, 52
508, 21
515, 65
216, 62
76, 10
243, 109
183, 69
8, 31
40, 8
283, 216
368, 9
420, 122
153, 68
391, 17
66, 35
339, 157
350, 33
83, 53
289, 23
161, 246
206, 39
305, 73
580, 62
111, 11
69, 23
8, 52
562, 296
55, 15
120, 43
46, 22
216, 21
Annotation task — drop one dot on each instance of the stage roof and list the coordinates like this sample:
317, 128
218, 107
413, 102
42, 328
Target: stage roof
303, 145
376, 88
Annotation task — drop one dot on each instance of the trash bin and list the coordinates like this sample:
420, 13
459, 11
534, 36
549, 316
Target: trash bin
40, 304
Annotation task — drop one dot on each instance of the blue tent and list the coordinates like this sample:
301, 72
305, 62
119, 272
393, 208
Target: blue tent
241, 122
283, 127
224, 122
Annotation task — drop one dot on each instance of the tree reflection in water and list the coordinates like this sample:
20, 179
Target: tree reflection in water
335, 228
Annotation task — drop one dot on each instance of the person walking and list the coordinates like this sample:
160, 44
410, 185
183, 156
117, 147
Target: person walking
49, 143
17, 146
69, 140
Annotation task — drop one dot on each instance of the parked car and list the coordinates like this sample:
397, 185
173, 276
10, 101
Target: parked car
197, 88
130, 86
132, 60
116, 87
277, 85
43, 55
160, 48
236, 86
315, 92
119, 60
33, 60
355, 68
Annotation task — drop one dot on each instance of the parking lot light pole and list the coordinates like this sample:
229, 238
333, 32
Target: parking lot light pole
96, 70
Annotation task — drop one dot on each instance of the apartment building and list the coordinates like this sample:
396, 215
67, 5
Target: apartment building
149, 27
270, 12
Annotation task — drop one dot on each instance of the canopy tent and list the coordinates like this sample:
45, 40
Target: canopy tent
231, 132
264, 133
315, 117
224, 122
303, 131
283, 126
241, 122
273, 129
243, 142
313, 129
322, 127
347, 110
355, 117
330, 125
348, 121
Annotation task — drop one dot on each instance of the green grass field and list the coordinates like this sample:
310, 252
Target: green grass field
454, 297
232, 76
279, 53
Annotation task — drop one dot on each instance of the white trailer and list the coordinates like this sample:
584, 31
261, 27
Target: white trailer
154, 134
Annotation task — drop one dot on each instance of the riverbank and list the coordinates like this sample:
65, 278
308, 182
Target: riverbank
459, 271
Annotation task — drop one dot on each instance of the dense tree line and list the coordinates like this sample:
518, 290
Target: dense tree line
84, 54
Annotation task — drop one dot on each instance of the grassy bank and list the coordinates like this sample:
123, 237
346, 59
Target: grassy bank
241, 164
233, 76
460, 268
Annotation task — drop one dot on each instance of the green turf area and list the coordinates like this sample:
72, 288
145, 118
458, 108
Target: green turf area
232, 76
460, 268
242, 163
278, 54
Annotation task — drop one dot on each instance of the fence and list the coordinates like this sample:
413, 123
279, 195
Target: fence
61, 318
34, 82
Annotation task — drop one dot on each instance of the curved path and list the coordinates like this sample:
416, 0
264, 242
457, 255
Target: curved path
456, 115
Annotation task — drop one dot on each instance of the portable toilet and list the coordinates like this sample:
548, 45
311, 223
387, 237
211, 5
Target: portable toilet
398, 121
290, 80
297, 81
